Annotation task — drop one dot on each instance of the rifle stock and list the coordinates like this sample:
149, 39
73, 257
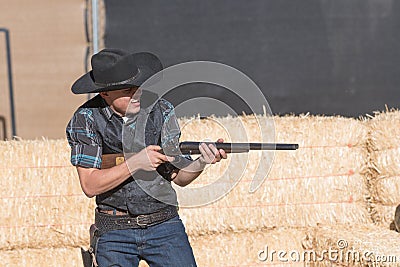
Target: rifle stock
111, 160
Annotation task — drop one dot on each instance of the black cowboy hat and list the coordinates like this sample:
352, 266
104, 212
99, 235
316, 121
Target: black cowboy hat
114, 69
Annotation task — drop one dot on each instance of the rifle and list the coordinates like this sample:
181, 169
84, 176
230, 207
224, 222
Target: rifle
192, 148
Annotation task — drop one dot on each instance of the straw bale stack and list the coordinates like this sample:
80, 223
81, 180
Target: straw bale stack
366, 245
384, 166
344, 173
320, 183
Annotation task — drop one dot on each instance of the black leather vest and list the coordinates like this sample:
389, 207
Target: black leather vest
131, 196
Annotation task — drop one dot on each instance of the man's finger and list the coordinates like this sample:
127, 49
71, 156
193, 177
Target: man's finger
162, 158
209, 149
205, 151
202, 150
213, 149
217, 157
154, 147
223, 154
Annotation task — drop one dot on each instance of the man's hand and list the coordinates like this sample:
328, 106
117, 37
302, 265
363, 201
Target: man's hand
148, 159
210, 154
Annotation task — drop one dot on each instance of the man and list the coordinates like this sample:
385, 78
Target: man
134, 221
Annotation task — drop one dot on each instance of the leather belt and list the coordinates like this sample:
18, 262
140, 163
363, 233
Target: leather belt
106, 222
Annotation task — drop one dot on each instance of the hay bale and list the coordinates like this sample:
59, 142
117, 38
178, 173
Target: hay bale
247, 248
386, 182
366, 245
34, 153
44, 257
385, 130
41, 257
48, 222
43, 205
387, 188
382, 170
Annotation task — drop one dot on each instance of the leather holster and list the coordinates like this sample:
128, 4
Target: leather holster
88, 256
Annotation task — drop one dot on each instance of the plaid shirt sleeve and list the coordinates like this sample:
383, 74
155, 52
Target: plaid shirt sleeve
86, 148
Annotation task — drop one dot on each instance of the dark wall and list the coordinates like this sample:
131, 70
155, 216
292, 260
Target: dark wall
319, 56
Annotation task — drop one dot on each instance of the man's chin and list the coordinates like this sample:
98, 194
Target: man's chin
132, 111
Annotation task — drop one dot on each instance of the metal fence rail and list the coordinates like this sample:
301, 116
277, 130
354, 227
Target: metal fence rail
10, 85
4, 128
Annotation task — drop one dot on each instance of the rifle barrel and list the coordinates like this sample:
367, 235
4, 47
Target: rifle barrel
189, 147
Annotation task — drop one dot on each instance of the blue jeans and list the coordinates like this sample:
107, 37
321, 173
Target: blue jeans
164, 244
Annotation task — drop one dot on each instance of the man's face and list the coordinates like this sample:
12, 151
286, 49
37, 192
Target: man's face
124, 101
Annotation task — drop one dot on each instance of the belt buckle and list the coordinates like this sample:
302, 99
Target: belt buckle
142, 220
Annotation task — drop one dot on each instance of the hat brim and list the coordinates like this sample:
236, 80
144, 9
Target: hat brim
148, 64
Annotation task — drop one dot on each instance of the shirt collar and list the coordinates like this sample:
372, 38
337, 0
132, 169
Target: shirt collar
106, 109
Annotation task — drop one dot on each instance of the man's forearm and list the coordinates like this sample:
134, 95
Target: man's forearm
188, 174
95, 181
